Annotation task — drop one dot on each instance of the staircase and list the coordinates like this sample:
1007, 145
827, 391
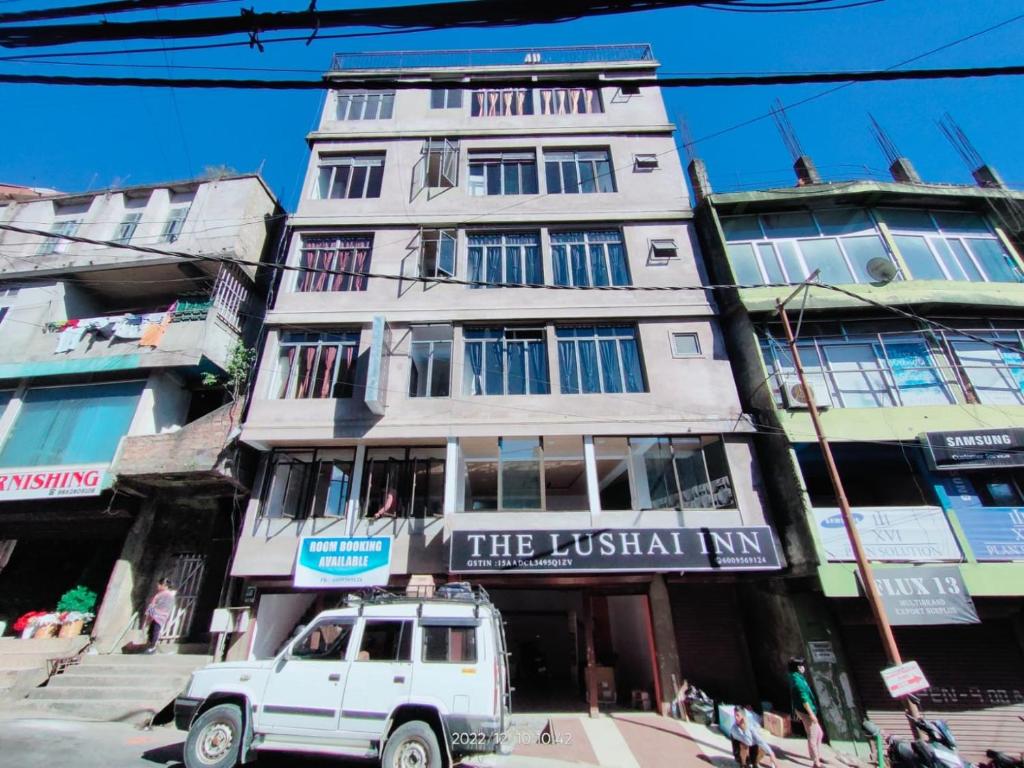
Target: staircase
24, 664
124, 688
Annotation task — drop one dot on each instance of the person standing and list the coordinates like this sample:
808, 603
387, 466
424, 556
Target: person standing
805, 706
158, 612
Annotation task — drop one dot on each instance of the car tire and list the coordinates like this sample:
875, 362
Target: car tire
412, 745
215, 738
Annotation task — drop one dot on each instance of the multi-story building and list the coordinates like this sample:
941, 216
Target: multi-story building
116, 460
916, 363
490, 357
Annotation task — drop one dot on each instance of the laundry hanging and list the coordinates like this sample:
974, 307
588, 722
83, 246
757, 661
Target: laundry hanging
152, 333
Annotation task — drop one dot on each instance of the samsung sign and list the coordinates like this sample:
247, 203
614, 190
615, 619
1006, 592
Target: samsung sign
565, 551
343, 562
976, 449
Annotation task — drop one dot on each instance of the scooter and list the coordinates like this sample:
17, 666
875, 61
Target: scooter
1001, 760
937, 750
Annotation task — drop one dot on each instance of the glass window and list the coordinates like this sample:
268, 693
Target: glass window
505, 257
744, 264
505, 361
437, 252
502, 173
445, 98
921, 261
995, 374
578, 172
824, 254
612, 456
341, 255
454, 644
438, 166
327, 641
71, 425
174, 224
570, 101
858, 375
681, 473
565, 474
365, 105
502, 102
520, 472
685, 345
742, 228
599, 359
589, 258
317, 365
59, 244
430, 359
308, 484
126, 229
350, 176
797, 224
385, 640
403, 482
993, 258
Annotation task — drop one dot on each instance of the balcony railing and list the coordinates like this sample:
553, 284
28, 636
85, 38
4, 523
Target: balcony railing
492, 57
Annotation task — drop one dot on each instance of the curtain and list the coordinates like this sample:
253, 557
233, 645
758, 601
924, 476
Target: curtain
589, 95
632, 369
520, 102
346, 373
326, 372
494, 374
506, 101
288, 373
362, 264
589, 369
617, 259
574, 101
479, 105
537, 352
559, 265
534, 266
578, 253
513, 265
598, 266
567, 368
610, 371
306, 365
516, 368
545, 102
474, 356
492, 103
476, 258
494, 264
560, 98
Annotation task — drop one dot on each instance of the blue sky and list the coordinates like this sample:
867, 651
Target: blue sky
75, 139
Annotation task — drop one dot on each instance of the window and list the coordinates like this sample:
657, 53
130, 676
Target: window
685, 345
174, 224
404, 482
506, 361
570, 101
126, 229
385, 640
787, 247
995, 373
645, 162
589, 258
365, 105
438, 166
56, 244
71, 425
578, 171
452, 644
446, 98
339, 254
663, 249
308, 484
502, 173
524, 473
327, 641
437, 253
430, 361
350, 176
317, 365
874, 475
502, 102
505, 257
599, 359
680, 473
948, 245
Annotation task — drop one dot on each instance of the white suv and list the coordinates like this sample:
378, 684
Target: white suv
411, 681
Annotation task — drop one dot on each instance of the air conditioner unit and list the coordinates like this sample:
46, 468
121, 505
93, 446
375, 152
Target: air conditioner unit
795, 398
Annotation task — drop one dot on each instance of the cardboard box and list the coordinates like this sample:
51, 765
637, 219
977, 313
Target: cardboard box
604, 680
778, 725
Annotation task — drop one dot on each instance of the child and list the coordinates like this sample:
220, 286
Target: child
751, 742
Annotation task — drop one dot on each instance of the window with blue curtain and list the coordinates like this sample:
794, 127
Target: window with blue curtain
505, 257
71, 425
599, 359
506, 361
589, 258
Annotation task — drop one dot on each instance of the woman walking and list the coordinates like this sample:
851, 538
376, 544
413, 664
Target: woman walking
806, 708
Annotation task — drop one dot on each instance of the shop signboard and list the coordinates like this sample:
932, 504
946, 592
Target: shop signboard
993, 533
925, 594
614, 550
976, 448
21, 483
897, 534
905, 679
343, 562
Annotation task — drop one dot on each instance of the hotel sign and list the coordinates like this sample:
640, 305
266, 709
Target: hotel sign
976, 449
52, 482
614, 550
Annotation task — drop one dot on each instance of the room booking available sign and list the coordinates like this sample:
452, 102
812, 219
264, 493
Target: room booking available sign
343, 562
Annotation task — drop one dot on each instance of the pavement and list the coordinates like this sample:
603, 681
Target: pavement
617, 740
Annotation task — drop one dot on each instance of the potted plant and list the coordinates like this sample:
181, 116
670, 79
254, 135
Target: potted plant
75, 610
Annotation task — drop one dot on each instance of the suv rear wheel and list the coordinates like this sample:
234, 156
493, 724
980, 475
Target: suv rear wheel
214, 738
412, 745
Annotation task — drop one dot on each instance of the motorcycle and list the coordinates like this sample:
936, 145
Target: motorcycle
935, 749
1001, 760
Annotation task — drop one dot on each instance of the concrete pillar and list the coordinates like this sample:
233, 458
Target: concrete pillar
118, 604
593, 488
699, 179
666, 659
806, 171
987, 176
903, 170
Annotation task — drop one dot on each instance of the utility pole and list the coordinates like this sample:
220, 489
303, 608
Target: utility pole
892, 651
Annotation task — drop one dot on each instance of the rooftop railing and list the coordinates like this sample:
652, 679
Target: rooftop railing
492, 57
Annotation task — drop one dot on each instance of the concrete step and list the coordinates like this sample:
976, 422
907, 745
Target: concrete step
148, 695
74, 680
51, 647
128, 711
147, 660
130, 670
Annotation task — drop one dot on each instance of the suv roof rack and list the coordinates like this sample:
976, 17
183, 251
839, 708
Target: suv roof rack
456, 591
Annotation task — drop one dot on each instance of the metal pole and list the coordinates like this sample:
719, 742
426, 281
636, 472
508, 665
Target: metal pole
892, 652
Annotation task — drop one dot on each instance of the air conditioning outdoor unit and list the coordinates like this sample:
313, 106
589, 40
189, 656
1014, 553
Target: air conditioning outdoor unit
795, 398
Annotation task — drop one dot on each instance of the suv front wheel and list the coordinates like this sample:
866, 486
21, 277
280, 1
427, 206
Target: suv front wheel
214, 738
412, 745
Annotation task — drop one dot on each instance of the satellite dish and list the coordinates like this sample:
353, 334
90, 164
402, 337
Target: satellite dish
881, 270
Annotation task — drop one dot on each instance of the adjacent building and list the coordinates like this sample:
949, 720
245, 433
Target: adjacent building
490, 357
117, 461
915, 359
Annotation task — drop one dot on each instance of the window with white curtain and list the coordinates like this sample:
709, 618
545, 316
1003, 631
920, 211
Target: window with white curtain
601, 358
502, 102
570, 101
317, 365
505, 361
589, 258
505, 257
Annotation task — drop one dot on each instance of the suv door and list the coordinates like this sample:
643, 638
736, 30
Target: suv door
305, 687
380, 677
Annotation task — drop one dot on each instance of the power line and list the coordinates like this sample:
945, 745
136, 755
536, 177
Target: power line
98, 9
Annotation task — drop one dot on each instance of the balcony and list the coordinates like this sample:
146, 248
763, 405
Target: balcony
492, 57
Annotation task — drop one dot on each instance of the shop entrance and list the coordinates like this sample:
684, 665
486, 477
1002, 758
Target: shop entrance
546, 632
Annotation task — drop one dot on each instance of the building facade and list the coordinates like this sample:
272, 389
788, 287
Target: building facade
116, 465
915, 360
473, 371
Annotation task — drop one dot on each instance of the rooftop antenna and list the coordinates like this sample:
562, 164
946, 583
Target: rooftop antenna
956, 136
806, 173
900, 168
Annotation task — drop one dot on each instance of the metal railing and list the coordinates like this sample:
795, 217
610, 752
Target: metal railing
492, 57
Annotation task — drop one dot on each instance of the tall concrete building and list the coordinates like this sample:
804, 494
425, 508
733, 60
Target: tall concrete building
490, 357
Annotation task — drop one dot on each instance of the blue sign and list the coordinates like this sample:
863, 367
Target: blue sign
343, 562
994, 533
